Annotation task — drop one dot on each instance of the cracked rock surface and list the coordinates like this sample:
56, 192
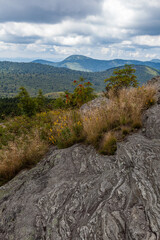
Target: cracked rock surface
77, 194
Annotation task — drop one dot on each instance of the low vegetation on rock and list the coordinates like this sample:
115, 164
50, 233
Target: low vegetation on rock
24, 139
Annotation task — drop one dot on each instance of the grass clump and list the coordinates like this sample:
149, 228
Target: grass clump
121, 115
25, 152
125, 131
108, 144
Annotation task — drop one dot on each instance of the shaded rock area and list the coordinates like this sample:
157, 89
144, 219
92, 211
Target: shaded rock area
77, 194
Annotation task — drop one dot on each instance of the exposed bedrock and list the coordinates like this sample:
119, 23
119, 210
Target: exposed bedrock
77, 194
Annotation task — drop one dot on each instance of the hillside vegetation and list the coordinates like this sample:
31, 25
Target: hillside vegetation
24, 140
34, 76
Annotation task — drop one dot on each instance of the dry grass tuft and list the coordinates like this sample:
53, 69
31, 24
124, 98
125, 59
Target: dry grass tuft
22, 153
108, 144
122, 113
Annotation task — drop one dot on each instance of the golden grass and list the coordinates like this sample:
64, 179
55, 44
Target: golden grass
123, 110
22, 153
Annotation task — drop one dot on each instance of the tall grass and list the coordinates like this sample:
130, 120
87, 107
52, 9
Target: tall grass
123, 110
25, 152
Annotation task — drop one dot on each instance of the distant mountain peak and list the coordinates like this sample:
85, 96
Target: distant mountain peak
84, 63
76, 57
155, 60
42, 61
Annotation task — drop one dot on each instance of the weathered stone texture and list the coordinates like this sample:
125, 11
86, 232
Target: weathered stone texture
94, 104
77, 194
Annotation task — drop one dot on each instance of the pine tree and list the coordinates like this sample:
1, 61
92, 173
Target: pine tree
26, 104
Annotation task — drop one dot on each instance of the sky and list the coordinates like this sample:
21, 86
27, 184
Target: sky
101, 29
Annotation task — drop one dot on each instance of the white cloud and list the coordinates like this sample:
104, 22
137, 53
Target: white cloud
150, 41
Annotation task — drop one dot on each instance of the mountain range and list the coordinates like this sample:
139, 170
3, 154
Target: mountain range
35, 76
87, 64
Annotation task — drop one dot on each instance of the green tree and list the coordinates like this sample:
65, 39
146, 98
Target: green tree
40, 100
83, 92
27, 105
122, 78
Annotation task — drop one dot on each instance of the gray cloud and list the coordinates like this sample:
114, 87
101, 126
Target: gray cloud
147, 25
48, 11
19, 39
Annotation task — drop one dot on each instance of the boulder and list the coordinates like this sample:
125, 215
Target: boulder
94, 104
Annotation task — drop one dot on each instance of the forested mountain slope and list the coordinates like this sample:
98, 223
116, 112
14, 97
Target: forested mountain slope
34, 76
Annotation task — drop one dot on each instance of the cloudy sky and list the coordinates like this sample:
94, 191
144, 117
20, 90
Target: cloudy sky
102, 29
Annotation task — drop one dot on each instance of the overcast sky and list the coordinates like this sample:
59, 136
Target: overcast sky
102, 29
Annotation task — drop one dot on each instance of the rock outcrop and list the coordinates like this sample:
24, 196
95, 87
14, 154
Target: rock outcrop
94, 104
77, 194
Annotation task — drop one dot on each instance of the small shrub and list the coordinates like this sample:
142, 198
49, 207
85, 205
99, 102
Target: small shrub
125, 131
150, 102
109, 144
59, 103
83, 92
136, 125
65, 138
67, 129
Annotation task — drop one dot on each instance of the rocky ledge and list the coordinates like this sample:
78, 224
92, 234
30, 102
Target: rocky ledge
77, 194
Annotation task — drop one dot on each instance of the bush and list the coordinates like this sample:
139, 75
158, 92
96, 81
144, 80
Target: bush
59, 103
82, 93
67, 129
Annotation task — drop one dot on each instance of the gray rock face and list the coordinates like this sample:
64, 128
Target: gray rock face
95, 103
77, 194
